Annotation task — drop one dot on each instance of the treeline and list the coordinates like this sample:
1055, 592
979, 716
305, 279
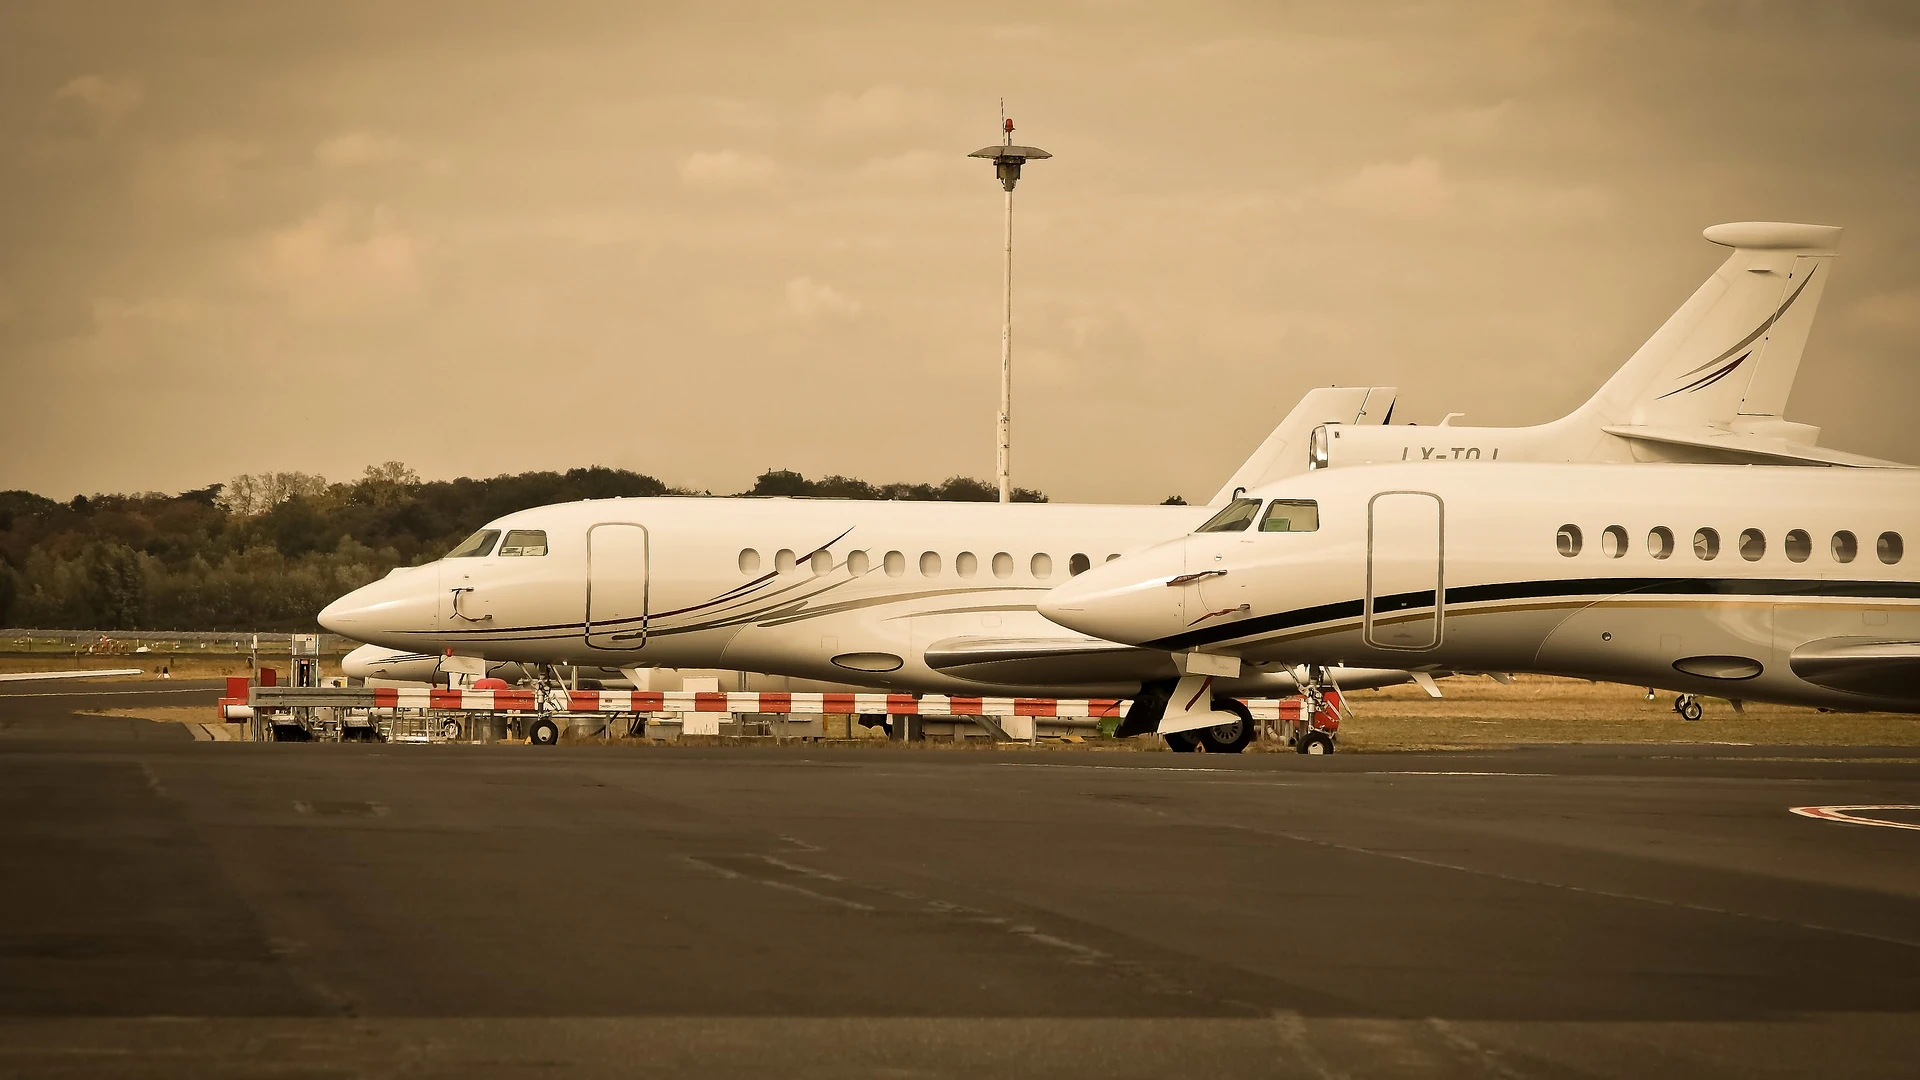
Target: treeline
268, 551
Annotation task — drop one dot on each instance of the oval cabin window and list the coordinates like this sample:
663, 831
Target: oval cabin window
1706, 543
895, 563
1613, 542
783, 560
1889, 547
749, 561
1660, 542
1042, 566
822, 562
1845, 546
1753, 544
857, 563
966, 564
1798, 545
1568, 540
929, 564
1078, 565
1002, 565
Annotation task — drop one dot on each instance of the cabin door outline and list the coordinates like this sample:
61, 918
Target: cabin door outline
619, 554
1406, 557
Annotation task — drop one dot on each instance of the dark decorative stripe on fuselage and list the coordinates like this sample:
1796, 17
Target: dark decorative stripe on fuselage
1782, 588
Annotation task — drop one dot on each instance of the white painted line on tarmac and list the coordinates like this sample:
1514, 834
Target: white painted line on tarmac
1850, 815
113, 693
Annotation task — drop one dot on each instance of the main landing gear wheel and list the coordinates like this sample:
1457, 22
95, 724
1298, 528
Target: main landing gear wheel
543, 732
450, 729
1688, 707
1229, 738
1181, 742
1315, 742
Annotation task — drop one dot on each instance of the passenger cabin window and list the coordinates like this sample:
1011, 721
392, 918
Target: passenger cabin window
1568, 540
1660, 542
822, 562
966, 564
1706, 543
1235, 517
1078, 565
1889, 547
1042, 566
1002, 565
476, 545
1613, 542
525, 542
929, 564
1798, 545
1291, 515
1753, 544
895, 563
1845, 546
857, 563
783, 560
749, 561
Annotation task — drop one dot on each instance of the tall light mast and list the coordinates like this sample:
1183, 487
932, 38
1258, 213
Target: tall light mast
1007, 159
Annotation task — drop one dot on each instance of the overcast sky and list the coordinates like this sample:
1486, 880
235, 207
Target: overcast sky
704, 240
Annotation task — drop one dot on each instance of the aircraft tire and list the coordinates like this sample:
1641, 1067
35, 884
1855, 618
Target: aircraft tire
1315, 743
450, 728
1181, 742
1228, 738
1688, 707
543, 732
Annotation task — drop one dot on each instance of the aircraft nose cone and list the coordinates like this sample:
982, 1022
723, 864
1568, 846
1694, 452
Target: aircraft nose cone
392, 611
1126, 600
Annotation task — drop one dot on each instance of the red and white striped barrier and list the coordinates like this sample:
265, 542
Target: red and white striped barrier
683, 701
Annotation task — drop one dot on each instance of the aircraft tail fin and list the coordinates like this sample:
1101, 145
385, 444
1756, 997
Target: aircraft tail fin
1728, 357
1284, 452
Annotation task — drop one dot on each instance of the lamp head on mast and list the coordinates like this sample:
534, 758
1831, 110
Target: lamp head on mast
1007, 158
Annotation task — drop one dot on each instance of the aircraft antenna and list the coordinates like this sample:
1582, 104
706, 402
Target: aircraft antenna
1007, 159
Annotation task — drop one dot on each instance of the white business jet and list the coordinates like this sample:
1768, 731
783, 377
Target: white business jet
940, 597
1759, 583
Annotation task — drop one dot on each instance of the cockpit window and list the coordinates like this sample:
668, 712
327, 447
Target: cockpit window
476, 545
1291, 515
525, 542
1237, 515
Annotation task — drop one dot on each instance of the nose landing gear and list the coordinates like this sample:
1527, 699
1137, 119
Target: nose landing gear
1689, 707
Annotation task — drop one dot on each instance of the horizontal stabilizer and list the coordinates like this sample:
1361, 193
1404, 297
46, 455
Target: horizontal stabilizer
1857, 665
1740, 446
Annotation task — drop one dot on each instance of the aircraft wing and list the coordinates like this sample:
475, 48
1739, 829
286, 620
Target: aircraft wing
1041, 660
84, 673
1860, 665
1739, 444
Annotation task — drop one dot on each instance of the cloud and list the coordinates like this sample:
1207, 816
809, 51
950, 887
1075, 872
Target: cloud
107, 99
1415, 188
200, 168
728, 169
914, 166
876, 109
812, 299
355, 148
1469, 124
337, 259
1898, 309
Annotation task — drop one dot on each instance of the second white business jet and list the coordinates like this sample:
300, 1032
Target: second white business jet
1760, 583
941, 597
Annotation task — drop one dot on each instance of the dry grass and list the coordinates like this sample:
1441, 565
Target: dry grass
1479, 713
165, 714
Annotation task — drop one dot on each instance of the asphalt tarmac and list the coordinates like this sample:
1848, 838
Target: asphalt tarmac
199, 909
